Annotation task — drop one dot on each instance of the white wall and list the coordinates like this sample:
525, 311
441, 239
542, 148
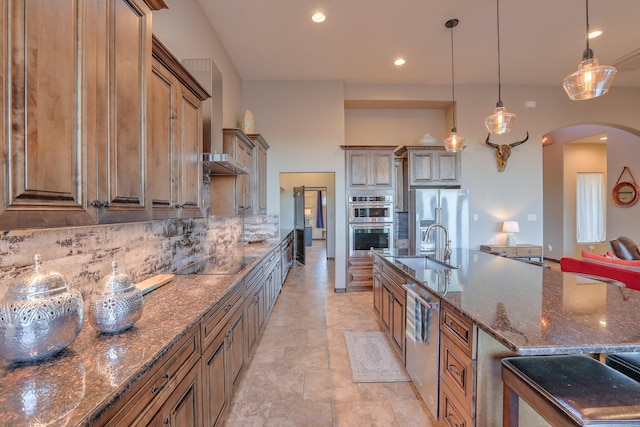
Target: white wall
392, 127
304, 125
185, 30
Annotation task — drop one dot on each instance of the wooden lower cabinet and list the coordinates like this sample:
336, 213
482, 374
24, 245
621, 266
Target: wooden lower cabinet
160, 389
222, 363
183, 408
458, 348
389, 300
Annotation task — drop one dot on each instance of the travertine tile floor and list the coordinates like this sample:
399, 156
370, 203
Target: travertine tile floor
299, 374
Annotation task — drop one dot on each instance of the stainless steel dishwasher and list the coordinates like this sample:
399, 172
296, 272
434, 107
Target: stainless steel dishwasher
422, 344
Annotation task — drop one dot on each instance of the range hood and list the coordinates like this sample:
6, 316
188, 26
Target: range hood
224, 164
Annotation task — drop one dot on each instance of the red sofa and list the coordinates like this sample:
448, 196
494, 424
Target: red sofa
607, 271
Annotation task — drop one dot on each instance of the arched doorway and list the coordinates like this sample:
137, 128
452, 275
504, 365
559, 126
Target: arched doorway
579, 148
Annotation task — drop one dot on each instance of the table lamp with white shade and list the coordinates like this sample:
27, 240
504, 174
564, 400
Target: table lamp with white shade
510, 227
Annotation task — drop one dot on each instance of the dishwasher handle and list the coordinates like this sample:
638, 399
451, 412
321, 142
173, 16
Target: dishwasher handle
413, 294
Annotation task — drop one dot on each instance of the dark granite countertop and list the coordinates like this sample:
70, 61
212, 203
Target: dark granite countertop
80, 383
534, 310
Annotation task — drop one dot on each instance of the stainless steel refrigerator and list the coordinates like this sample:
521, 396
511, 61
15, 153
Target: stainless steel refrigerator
446, 206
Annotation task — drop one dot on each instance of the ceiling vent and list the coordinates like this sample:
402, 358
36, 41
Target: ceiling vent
629, 62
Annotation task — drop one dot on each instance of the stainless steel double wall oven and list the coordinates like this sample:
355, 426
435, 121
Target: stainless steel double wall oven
370, 223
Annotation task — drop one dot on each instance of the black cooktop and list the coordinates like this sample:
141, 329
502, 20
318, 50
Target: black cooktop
219, 265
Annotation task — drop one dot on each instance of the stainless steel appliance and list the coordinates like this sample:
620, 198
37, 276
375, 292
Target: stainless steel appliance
422, 344
377, 208
363, 237
449, 207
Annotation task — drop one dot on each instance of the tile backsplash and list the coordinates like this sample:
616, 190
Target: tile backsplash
84, 254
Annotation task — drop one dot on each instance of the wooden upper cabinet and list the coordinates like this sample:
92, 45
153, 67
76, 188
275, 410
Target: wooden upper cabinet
259, 174
74, 146
42, 137
123, 68
431, 166
175, 138
370, 167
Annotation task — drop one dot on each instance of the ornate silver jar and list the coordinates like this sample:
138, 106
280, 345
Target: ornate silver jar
39, 315
116, 305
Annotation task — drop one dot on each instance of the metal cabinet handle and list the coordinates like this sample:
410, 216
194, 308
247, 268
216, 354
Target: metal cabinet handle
451, 367
157, 388
98, 204
451, 421
228, 307
179, 206
455, 327
167, 421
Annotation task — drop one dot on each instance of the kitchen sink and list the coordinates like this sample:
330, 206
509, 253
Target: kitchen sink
424, 263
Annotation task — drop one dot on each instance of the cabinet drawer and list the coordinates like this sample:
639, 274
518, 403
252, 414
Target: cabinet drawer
154, 388
458, 328
456, 371
361, 262
451, 413
213, 321
529, 251
393, 274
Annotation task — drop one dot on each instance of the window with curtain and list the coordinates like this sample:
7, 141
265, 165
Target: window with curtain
590, 207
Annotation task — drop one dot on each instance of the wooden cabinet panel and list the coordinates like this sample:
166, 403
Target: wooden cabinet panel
43, 138
217, 387
121, 148
183, 407
399, 323
190, 126
450, 411
146, 398
459, 328
369, 168
377, 291
433, 166
175, 138
456, 369
236, 350
259, 174
358, 169
163, 163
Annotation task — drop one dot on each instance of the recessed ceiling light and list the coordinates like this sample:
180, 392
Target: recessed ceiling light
318, 17
399, 61
594, 34
604, 138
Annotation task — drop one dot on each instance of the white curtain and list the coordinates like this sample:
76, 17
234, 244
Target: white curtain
590, 207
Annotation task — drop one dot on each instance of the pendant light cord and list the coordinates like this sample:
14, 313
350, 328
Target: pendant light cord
453, 86
587, 3
499, 80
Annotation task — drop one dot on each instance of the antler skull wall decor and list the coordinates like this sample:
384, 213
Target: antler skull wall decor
504, 151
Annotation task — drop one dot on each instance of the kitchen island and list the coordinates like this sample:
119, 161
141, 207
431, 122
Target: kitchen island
164, 356
517, 308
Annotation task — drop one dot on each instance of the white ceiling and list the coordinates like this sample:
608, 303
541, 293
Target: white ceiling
541, 40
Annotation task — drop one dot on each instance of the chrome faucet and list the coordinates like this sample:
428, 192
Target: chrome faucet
447, 247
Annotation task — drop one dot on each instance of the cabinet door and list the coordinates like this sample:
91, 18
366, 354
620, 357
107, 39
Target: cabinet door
163, 166
357, 169
400, 179
422, 167
377, 292
183, 407
124, 67
43, 176
398, 326
381, 171
251, 314
449, 168
386, 307
236, 350
216, 382
262, 181
190, 131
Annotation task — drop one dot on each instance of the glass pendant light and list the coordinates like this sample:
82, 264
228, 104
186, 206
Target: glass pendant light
455, 142
592, 79
500, 121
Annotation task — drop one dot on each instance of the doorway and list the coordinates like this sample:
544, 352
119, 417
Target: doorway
573, 149
313, 182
